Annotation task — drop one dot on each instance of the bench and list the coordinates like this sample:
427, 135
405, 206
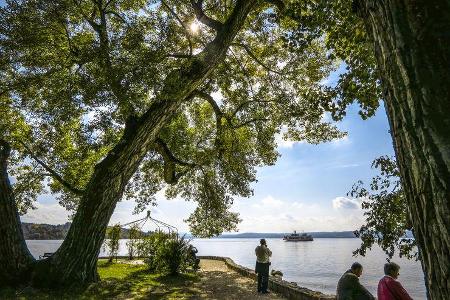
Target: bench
46, 255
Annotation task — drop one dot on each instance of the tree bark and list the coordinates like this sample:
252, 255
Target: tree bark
412, 48
15, 259
75, 261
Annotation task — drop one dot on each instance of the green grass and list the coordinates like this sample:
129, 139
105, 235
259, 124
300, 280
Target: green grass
119, 281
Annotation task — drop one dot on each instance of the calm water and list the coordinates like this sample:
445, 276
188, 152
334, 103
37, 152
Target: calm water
316, 265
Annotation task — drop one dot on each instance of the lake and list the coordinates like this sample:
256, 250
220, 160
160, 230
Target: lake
316, 265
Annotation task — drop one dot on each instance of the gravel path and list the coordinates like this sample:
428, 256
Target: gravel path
219, 282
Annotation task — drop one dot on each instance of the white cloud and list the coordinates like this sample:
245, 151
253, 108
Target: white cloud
289, 222
47, 214
346, 203
344, 141
270, 201
271, 214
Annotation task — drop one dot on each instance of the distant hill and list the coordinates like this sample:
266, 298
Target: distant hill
45, 231
260, 235
58, 232
33, 231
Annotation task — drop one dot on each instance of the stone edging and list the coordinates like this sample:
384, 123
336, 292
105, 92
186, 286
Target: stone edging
282, 287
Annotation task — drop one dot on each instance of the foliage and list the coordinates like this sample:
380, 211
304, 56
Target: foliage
346, 41
76, 72
169, 253
112, 243
28, 177
74, 91
387, 212
134, 237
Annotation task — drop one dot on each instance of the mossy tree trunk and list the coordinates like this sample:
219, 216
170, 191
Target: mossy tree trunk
15, 259
412, 47
75, 261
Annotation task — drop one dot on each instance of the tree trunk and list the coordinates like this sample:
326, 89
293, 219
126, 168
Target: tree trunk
15, 259
75, 261
412, 48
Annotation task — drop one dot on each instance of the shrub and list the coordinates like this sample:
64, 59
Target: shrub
169, 253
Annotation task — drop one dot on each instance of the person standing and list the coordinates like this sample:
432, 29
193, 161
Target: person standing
263, 255
388, 287
349, 288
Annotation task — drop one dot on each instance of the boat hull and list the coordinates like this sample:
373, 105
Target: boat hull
298, 240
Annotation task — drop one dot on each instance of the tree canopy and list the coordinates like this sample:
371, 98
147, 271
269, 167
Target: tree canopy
75, 72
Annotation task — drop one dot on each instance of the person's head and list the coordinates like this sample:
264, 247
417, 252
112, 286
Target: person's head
392, 269
357, 268
263, 242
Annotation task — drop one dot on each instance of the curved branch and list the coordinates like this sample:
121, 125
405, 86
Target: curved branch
200, 15
219, 114
52, 172
170, 162
255, 58
164, 150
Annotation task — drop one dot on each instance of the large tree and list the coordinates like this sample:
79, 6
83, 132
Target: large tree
399, 51
412, 48
124, 98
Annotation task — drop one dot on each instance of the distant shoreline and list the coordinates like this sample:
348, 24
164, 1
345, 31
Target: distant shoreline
33, 231
267, 235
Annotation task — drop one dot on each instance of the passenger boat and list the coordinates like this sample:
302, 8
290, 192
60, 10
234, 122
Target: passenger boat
295, 237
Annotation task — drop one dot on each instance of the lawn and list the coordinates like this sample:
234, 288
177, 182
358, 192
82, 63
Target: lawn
119, 280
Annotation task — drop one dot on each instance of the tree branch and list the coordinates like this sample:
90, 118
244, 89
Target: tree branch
94, 25
219, 114
5, 151
170, 161
161, 145
249, 122
252, 55
111, 75
52, 172
243, 104
117, 15
179, 55
186, 31
200, 15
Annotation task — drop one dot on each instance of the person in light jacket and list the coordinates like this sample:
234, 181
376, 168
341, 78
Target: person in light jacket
349, 288
388, 287
263, 255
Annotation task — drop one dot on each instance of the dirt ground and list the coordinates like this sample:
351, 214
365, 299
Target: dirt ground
219, 282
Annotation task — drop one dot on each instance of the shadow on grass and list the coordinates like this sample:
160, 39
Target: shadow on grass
141, 284
119, 281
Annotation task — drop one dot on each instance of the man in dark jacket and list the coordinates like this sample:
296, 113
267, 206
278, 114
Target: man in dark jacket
349, 287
